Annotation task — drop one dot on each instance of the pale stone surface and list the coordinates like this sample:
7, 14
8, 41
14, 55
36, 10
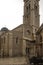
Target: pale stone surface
16, 60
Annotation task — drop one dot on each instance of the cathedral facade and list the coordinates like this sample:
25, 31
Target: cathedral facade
27, 39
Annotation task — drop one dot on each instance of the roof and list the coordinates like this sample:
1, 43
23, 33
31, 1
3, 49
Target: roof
4, 29
18, 28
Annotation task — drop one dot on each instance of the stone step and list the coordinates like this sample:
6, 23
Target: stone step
13, 64
13, 61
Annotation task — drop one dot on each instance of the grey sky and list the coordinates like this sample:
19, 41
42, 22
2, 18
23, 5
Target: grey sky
11, 13
41, 11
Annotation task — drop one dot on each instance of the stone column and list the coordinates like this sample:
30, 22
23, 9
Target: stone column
2, 46
10, 44
34, 50
6, 45
42, 41
24, 43
24, 47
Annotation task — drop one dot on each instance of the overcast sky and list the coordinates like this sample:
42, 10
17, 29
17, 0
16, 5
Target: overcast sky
11, 13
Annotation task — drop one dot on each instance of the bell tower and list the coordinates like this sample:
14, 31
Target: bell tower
31, 17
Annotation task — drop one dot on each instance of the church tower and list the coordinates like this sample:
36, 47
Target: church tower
31, 18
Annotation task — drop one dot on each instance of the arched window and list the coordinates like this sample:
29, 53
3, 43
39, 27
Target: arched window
28, 32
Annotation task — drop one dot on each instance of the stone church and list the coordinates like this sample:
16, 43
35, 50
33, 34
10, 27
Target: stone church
26, 39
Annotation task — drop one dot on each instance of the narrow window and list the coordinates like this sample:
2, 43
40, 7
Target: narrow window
40, 38
16, 40
27, 51
27, 9
36, 10
4, 40
29, 6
